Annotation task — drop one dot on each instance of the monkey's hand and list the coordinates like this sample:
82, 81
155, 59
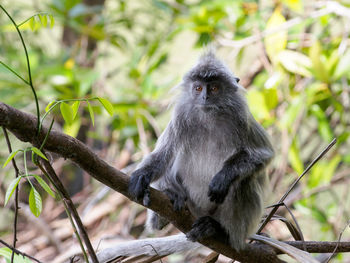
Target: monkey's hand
139, 185
218, 187
176, 198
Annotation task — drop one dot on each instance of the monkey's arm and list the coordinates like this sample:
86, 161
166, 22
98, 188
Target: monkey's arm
247, 161
153, 166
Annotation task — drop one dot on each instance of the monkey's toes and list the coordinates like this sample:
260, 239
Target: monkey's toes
202, 228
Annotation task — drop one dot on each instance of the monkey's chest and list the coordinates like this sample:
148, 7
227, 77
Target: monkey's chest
196, 166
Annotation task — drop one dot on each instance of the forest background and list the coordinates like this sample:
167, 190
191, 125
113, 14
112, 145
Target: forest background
292, 57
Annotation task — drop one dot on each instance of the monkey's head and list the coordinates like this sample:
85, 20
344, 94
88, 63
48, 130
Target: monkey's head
210, 84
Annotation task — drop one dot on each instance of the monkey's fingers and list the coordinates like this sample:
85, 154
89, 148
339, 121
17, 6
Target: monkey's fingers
137, 187
146, 197
177, 200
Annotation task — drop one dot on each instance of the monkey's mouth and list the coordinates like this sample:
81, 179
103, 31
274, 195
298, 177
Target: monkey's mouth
206, 107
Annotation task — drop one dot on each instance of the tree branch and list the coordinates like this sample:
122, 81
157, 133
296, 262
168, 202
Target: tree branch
23, 126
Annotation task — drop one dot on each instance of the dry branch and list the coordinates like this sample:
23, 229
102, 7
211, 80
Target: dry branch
23, 126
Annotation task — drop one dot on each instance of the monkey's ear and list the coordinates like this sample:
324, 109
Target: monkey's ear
237, 79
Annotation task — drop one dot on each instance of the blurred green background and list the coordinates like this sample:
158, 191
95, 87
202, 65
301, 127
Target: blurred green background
292, 57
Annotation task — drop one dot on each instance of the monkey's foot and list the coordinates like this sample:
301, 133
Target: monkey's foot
205, 227
177, 199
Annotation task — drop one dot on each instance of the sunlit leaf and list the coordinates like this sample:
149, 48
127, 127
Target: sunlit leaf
11, 156
47, 108
324, 127
43, 19
330, 168
271, 97
72, 129
38, 152
52, 21
35, 203
67, 112
32, 23
44, 185
295, 5
295, 62
7, 254
318, 66
91, 112
343, 67
257, 104
11, 189
75, 108
292, 112
294, 157
107, 105
276, 42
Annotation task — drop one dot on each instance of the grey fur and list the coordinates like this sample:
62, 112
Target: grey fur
212, 150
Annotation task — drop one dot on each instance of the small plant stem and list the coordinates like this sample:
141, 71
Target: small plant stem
14, 72
273, 211
28, 66
16, 196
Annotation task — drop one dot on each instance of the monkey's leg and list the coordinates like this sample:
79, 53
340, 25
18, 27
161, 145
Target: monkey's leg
205, 227
155, 221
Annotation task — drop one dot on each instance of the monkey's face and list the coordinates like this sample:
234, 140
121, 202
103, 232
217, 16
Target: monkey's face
206, 94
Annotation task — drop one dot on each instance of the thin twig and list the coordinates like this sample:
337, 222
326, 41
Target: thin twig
273, 211
338, 242
28, 67
16, 194
19, 252
58, 184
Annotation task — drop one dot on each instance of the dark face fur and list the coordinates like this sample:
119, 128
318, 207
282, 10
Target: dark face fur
205, 93
210, 84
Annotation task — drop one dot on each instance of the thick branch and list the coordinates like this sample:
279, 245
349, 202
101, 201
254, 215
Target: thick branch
23, 126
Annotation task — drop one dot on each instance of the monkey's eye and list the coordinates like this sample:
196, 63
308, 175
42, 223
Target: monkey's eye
214, 88
198, 88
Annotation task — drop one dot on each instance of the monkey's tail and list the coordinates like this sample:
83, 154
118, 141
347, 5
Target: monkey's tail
148, 248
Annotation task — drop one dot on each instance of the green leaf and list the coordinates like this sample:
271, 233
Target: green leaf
318, 66
38, 152
72, 129
10, 190
75, 108
324, 127
276, 42
295, 5
44, 185
11, 156
91, 111
32, 23
67, 112
295, 62
295, 108
257, 104
49, 105
7, 253
107, 105
52, 21
343, 67
43, 19
294, 157
35, 203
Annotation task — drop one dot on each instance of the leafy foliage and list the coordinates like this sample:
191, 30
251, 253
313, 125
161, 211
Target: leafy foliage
124, 60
